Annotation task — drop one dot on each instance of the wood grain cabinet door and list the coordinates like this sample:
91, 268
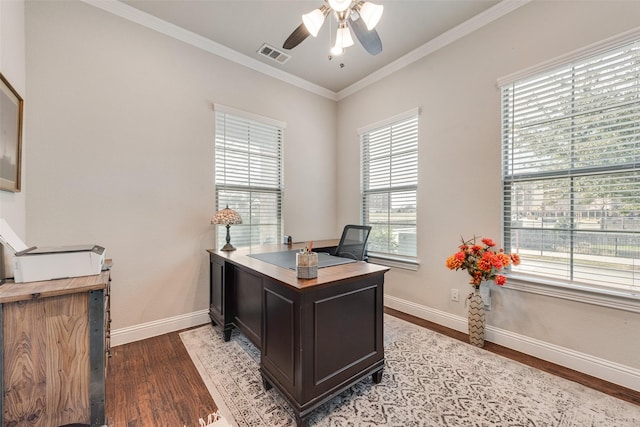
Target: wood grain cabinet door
46, 361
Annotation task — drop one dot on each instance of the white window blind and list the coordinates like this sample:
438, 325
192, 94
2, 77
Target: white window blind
248, 163
571, 172
389, 187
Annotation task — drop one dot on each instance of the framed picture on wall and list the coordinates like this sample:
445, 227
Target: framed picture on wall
11, 111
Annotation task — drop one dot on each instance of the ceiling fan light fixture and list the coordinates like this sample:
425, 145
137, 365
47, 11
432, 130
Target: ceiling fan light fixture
339, 5
313, 20
359, 16
343, 36
370, 13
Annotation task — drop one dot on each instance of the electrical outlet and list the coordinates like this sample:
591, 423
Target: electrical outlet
455, 295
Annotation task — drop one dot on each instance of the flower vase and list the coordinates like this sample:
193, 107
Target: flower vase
476, 318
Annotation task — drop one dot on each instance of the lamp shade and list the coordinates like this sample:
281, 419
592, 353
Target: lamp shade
226, 216
343, 36
313, 21
371, 14
339, 5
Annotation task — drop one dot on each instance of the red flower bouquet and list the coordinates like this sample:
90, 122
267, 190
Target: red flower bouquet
482, 262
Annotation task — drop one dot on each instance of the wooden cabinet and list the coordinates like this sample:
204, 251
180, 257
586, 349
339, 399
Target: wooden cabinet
54, 346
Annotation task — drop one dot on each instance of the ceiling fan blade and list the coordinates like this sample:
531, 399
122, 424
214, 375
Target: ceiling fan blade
369, 39
297, 37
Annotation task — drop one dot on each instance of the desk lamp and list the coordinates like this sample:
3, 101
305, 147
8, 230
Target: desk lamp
227, 217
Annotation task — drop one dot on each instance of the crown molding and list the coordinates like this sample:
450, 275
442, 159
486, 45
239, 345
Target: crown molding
142, 18
444, 39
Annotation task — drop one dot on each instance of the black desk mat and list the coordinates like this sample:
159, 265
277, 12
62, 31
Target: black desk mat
287, 259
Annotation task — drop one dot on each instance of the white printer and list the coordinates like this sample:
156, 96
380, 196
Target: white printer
35, 264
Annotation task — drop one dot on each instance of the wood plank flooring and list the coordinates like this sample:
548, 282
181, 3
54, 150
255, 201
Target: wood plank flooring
154, 383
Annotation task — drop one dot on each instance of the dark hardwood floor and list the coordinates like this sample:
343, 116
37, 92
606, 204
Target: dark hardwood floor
154, 383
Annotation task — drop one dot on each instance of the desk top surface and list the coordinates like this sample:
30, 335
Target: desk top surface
326, 275
12, 292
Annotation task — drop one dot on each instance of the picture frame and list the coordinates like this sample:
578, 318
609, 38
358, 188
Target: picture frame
11, 115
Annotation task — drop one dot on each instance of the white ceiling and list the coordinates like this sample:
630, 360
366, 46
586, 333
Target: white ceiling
244, 25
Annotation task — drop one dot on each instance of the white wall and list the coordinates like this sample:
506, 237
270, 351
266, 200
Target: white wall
459, 175
121, 152
12, 66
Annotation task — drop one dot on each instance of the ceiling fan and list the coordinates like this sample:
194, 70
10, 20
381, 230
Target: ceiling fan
361, 17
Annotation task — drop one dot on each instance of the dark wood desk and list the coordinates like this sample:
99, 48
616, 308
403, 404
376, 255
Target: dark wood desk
317, 337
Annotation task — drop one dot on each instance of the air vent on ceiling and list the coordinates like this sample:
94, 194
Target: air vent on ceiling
273, 54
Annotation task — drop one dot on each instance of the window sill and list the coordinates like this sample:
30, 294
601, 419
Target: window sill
581, 293
405, 264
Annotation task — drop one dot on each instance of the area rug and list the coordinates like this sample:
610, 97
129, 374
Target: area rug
214, 420
429, 380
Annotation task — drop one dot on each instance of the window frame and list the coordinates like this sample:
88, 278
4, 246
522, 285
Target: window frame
574, 291
277, 190
388, 258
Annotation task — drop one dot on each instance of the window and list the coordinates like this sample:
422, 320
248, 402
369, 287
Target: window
389, 186
571, 173
248, 177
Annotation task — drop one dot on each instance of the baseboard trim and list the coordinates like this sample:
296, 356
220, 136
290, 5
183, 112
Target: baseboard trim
591, 365
600, 368
158, 327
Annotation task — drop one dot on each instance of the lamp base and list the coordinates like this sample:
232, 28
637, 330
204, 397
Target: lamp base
228, 247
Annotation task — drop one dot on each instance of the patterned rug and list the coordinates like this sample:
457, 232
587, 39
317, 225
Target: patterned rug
429, 380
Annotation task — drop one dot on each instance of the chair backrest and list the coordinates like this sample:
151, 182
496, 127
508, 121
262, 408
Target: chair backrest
353, 242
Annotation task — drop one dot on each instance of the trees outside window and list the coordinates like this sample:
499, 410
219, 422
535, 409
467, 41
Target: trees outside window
571, 172
389, 186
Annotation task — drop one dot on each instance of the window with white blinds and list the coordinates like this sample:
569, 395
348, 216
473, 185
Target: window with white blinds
248, 164
389, 186
571, 173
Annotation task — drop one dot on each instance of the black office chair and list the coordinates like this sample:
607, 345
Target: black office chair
353, 243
